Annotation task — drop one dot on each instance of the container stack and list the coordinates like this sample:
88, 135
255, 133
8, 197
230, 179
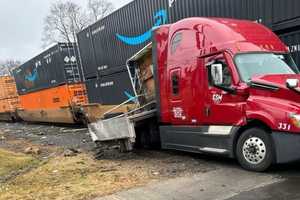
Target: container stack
9, 99
50, 85
106, 45
286, 23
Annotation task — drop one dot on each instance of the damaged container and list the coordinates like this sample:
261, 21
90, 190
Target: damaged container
54, 105
9, 99
50, 86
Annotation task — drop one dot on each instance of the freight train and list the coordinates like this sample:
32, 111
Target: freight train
49, 88
72, 84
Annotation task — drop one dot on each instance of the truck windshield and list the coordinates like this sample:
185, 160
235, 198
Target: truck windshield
254, 64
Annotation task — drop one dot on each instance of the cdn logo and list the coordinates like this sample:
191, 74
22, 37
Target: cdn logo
171, 2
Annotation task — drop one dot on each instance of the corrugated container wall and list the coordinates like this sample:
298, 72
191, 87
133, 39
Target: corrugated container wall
7, 87
286, 14
292, 40
106, 45
55, 66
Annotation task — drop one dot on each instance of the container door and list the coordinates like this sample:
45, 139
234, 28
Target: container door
221, 107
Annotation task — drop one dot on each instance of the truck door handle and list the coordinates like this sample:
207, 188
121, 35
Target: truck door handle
207, 110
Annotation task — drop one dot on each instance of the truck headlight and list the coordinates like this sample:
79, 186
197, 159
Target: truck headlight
295, 120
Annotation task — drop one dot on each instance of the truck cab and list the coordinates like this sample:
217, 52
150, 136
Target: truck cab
227, 87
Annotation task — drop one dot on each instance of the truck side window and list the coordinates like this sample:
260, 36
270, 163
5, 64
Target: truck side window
175, 42
227, 78
175, 84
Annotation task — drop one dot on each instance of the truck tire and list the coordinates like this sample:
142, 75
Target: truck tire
254, 150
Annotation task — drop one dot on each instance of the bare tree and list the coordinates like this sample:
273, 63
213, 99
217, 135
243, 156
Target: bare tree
8, 65
99, 8
64, 21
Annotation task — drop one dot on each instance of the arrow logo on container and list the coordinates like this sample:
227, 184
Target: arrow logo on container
160, 18
32, 77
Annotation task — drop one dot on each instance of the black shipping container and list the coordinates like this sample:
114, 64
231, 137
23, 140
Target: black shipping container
56, 66
285, 12
87, 52
106, 45
110, 90
292, 40
92, 88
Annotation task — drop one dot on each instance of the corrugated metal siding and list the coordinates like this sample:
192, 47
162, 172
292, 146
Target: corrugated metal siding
113, 89
138, 17
87, 53
53, 67
285, 10
92, 91
103, 53
292, 40
110, 89
110, 54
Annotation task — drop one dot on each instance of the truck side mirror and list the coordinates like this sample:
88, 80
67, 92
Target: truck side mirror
217, 74
292, 83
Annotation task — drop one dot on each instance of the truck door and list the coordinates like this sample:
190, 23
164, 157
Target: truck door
220, 107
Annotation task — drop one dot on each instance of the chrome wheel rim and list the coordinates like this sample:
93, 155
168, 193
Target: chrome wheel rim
254, 150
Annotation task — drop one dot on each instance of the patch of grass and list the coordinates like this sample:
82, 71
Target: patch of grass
74, 178
11, 162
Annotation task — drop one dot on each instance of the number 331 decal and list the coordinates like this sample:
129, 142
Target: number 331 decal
284, 126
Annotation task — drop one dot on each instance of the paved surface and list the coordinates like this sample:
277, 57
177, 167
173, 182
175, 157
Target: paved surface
220, 184
227, 182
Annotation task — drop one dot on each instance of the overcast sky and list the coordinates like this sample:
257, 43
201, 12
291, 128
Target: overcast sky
22, 24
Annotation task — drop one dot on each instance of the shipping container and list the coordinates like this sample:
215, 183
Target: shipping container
93, 91
106, 45
292, 40
8, 109
87, 52
9, 99
53, 105
8, 87
286, 14
112, 89
56, 66
9, 105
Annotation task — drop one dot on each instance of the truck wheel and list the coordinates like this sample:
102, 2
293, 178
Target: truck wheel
254, 150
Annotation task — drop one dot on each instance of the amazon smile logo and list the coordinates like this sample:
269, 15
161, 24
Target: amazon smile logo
32, 76
160, 18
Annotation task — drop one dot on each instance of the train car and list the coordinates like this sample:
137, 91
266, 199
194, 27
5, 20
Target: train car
50, 86
9, 99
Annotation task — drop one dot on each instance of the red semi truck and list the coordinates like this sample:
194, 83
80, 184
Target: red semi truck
212, 85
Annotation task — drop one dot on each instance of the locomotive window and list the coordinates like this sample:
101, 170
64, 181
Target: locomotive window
175, 84
175, 42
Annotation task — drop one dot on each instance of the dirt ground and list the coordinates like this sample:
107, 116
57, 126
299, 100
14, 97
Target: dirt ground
55, 162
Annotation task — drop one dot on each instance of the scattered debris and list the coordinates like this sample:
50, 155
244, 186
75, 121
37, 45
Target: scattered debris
41, 133
71, 152
32, 150
155, 173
